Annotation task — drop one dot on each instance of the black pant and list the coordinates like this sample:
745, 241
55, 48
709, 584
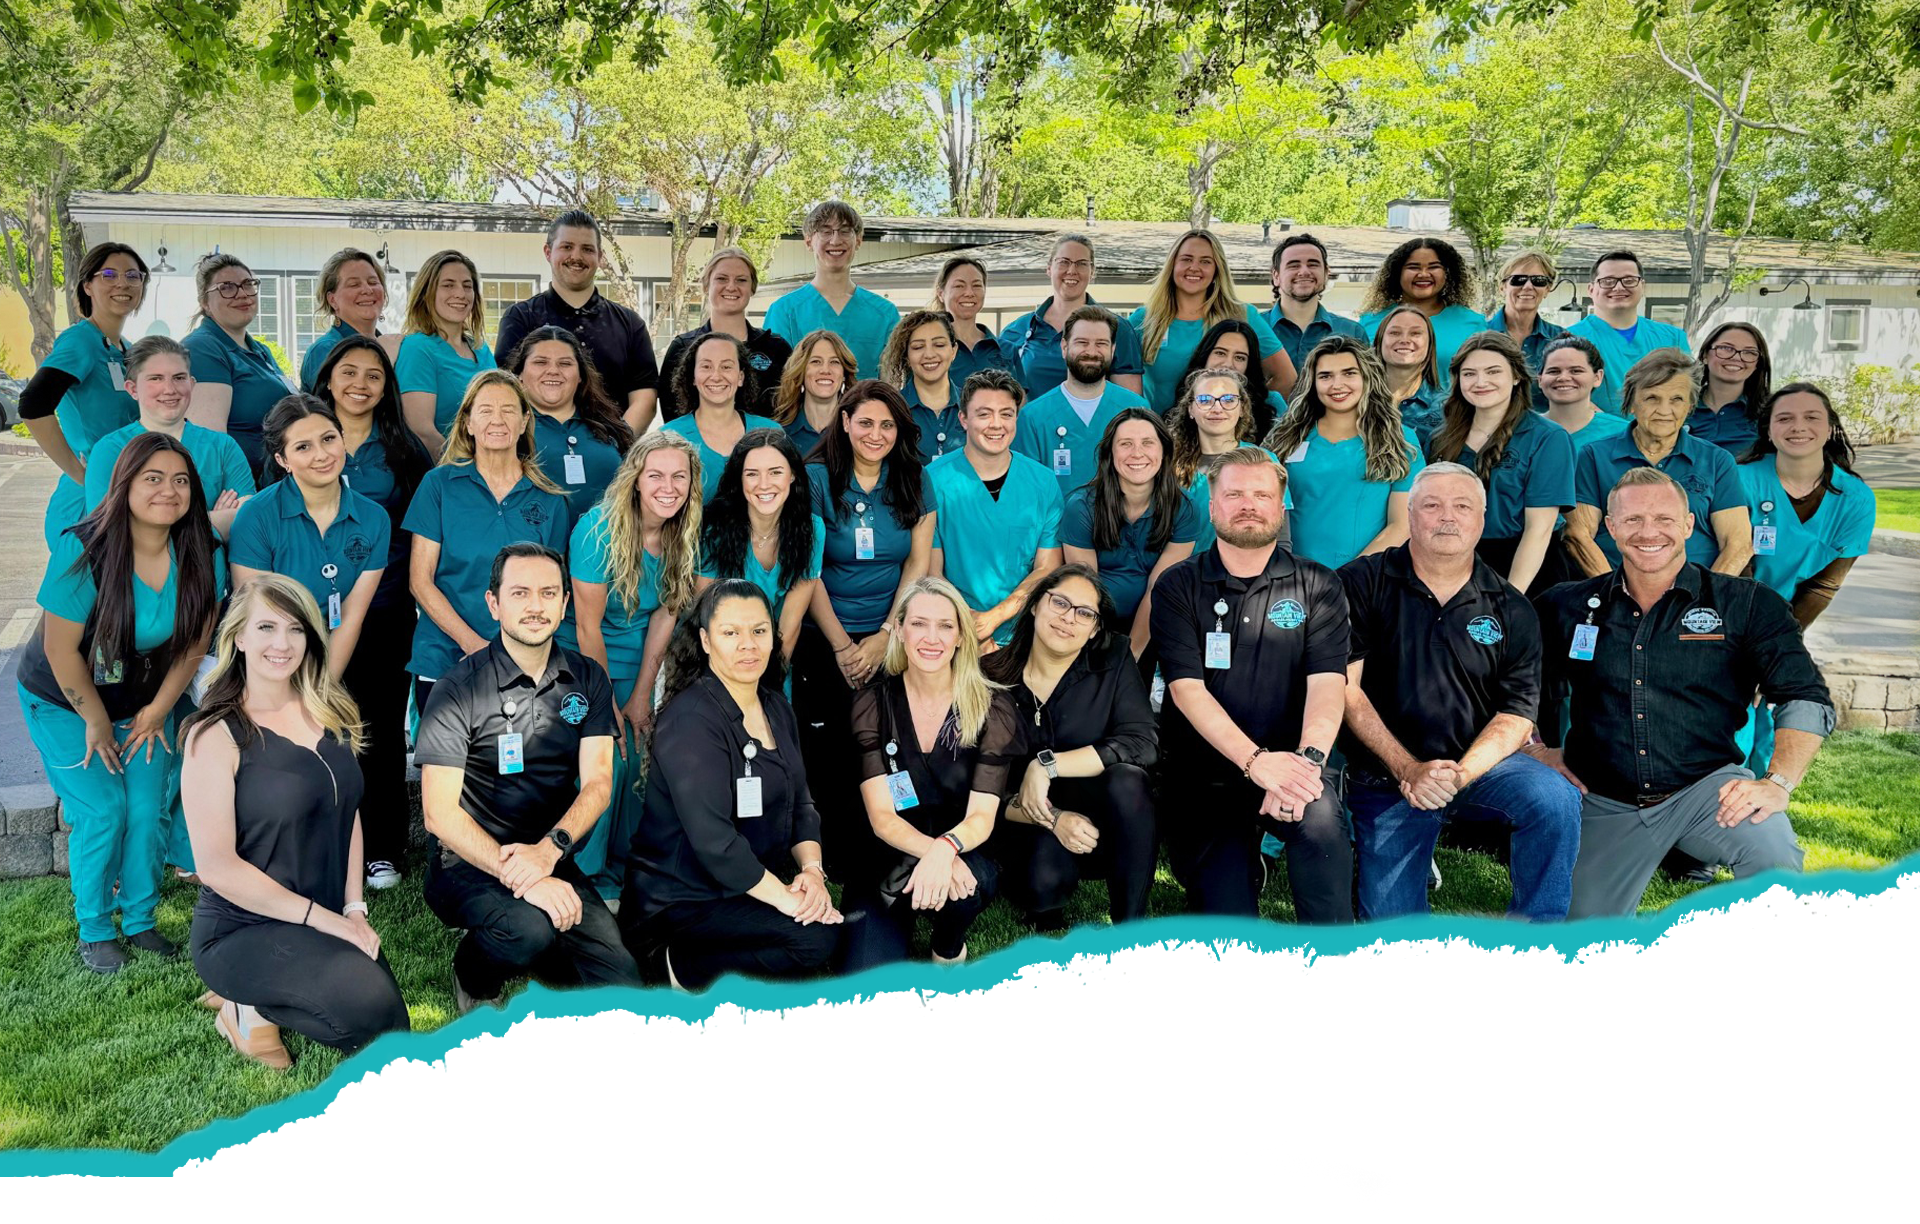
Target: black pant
1213, 838
377, 678
706, 939
507, 936
320, 986
880, 927
1041, 874
823, 704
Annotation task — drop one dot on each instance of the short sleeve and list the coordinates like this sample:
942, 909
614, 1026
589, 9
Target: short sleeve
250, 542
869, 739
1854, 535
231, 469
413, 369
1264, 333
599, 719
1419, 461
513, 326
382, 528
643, 370
1328, 627
1586, 479
819, 552
1172, 625
1076, 520
445, 734
423, 513
70, 353
1550, 481
1727, 492
1520, 666
64, 592
1186, 522
208, 362
778, 321
999, 748
100, 470
817, 491
1355, 576
1050, 512
1126, 350
587, 550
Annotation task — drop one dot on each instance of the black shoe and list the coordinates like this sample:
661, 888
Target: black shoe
1050, 922
154, 943
103, 955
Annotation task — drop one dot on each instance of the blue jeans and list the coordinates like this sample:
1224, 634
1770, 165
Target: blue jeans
1393, 840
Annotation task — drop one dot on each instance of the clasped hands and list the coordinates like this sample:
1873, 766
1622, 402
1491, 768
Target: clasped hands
528, 872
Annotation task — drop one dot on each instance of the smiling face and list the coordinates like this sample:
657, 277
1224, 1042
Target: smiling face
1568, 377
766, 479
930, 353
666, 479
238, 311
357, 383
717, 375
1403, 343
273, 643
1800, 425
1070, 271
871, 430
1423, 278
1137, 453
1445, 516
1650, 525
990, 418
496, 419
531, 600
739, 640
1486, 380
826, 374
1230, 351
1302, 274
1217, 408
1732, 356
1088, 351
1246, 507
729, 287
311, 451
454, 294
1660, 412
1338, 383
116, 295
1066, 616
1524, 298
1616, 285
574, 256
359, 297
833, 245
162, 491
162, 387
551, 374
929, 631
964, 293
1194, 266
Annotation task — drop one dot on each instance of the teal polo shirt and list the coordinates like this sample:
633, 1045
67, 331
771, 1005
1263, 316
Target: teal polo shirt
1424, 412
986, 355
1533, 347
554, 440
1841, 527
1619, 350
805, 436
1451, 328
1051, 433
1337, 510
988, 545
1534, 471
940, 431
456, 510
775, 582
1729, 428
1033, 346
622, 627
216, 460
1299, 342
252, 374
96, 405
274, 532
1177, 347
712, 462
1125, 568
368, 473
1704, 470
322, 348
428, 364
861, 589
863, 326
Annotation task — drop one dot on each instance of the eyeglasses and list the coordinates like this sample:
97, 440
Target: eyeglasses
1537, 281
1619, 282
1726, 352
1074, 265
132, 276
1229, 400
234, 289
836, 231
1081, 612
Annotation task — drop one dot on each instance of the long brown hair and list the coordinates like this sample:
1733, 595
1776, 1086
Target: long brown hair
324, 699
591, 403
420, 316
787, 401
1451, 438
1110, 503
1389, 458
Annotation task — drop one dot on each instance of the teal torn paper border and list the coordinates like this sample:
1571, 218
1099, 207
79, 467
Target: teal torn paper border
1265, 936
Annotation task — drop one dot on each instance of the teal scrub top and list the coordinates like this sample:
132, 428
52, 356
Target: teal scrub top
1452, 328
622, 628
72, 595
1032, 345
252, 373
1200, 494
429, 364
1183, 336
1049, 426
776, 585
712, 462
862, 590
1125, 568
455, 509
986, 355
940, 431
216, 460
274, 532
1704, 470
988, 545
1535, 470
1533, 347
96, 405
554, 440
1729, 428
1604, 425
366, 473
322, 348
863, 326
1337, 510
1841, 527
1299, 343
1619, 352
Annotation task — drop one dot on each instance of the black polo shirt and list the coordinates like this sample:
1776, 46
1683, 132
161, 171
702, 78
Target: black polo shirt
616, 336
466, 716
1658, 706
1438, 673
767, 356
1288, 622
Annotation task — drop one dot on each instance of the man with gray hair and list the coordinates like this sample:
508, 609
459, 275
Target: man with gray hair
1663, 657
1443, 690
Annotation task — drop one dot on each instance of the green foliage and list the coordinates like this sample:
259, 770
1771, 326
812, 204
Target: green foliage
1878, 403
279, 355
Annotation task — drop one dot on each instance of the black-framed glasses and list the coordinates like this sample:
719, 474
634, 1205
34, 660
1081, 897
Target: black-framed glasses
1081, 612
243, 288
1726, 352
132, 276
1619, 282
1529, 278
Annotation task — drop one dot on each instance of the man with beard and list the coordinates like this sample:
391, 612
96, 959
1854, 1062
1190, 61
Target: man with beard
1663, 657
1061, 428
1299, 281
505, 734
1442, 692
615, 336
1253, 645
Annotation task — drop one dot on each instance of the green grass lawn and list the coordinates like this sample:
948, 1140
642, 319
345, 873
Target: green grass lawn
129, 1061
1899, 509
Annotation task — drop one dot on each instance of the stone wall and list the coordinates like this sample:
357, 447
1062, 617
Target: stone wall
33, 840
1875, 692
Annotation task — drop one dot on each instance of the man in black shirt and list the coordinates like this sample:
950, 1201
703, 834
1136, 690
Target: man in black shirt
1442, 692
1663, 657
1252, 642
616, 336
504, 736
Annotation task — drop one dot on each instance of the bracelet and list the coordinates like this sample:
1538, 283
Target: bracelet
308, 914
353, 907
815, 867
950, 839
851, 643
1246, 771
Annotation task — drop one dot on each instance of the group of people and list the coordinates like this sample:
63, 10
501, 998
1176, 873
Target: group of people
1237, 584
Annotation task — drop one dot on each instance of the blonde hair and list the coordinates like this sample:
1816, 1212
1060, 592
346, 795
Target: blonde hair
325, 700
679, 535
793, 392
1389, 456
420, 316
1221, 302
1521, 259
972, 691
459, 444
729, 252
329, 279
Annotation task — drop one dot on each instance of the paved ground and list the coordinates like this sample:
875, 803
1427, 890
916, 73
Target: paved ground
1894, 466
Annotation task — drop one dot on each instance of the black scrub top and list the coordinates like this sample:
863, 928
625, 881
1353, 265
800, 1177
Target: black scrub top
1100, 702
943, 778
693, 843
767, 356
615, 335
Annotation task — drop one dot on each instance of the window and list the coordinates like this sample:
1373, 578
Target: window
307, 321
1846, 326
267, 324
1669, 311
498, 293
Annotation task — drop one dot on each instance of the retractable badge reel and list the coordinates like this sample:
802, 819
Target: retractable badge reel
1219, 642
899, 784
330, 571
746, 788
1766, 536
1586, 634
1062, 453
862, 535
574, 463
513, 757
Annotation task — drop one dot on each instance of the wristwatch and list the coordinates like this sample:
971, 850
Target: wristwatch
1781, 782
1314, 755
1048, 762
561, 841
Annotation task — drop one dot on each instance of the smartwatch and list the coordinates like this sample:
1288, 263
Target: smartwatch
1314, 755
561, 841
1048, 762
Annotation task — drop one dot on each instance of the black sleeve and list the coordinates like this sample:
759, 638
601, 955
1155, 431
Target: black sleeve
1328, 626
1131, 735
599, 719
42, 395
1553, 673
998, 750
513, 328
690, 750
1172, 624
1520, 667
869, 729
668, 406
806, 817
643, 372
445, 733
1788, 677
1354, 579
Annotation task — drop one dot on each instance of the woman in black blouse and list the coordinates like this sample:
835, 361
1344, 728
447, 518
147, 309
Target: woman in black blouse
936, 740
727, 812
1089, 739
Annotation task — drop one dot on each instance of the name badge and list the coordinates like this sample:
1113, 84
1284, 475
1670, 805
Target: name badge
1300, 451
1062, 461
1584, 637
118, 373
333, 610
513, 757
576, 468
746, 797
900, 788
863, 543
1219, 650
1765, 540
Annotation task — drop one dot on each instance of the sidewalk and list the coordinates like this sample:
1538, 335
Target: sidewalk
1893, 466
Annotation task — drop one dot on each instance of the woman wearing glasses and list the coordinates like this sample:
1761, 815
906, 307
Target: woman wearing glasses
1739, 382
1213, 417
1032, 340
236, 381
1083, 804
79, 394
1525, 282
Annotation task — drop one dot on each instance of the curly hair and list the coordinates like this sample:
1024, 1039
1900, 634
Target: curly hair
893, 358
1385, 290
1187, 457
688, 395
1389, 457
1256, 374
792, 395
726, 529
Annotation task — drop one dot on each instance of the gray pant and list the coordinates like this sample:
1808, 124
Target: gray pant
1622, 845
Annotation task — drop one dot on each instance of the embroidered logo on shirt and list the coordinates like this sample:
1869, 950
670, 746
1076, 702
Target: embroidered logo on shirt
1701, 620
573, 711
534, 515
1287, 614
760, 361
1485, 630
358, 549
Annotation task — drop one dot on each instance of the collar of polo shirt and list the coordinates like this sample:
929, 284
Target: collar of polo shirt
1398, 562
1279, 565
507, 673
1692, 579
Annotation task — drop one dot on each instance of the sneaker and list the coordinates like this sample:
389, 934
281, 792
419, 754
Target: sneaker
382, 874
103, 955
154, 943
1433, 876
464, 1002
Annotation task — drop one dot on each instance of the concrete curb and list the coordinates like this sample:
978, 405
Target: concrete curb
1892, 543
33, 842
10, 445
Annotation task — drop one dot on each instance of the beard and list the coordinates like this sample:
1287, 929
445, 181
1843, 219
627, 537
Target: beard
530, 636
1248, 537
1089, 369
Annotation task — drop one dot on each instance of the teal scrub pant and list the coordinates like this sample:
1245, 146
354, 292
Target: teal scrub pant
120, 822
179, 847
602, 854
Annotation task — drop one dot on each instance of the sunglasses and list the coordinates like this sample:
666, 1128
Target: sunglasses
1523, 278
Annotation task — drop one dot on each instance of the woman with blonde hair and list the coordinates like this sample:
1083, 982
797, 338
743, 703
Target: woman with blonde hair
441, 349
272, 794
352, 291
486, 493
1194, 291
919, 360
727, 283
820, 368
1525, 281
961, 290
937, 743
1403, 341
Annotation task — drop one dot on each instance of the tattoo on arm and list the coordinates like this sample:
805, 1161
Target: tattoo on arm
74, 699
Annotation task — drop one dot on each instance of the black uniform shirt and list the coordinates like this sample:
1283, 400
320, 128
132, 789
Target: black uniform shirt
1287, 623
1101, 702
467, 714
1438, 674
945, 777
1659, 705
767, 356
615, 336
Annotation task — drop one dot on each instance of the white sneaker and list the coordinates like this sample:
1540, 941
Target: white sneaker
382, 874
